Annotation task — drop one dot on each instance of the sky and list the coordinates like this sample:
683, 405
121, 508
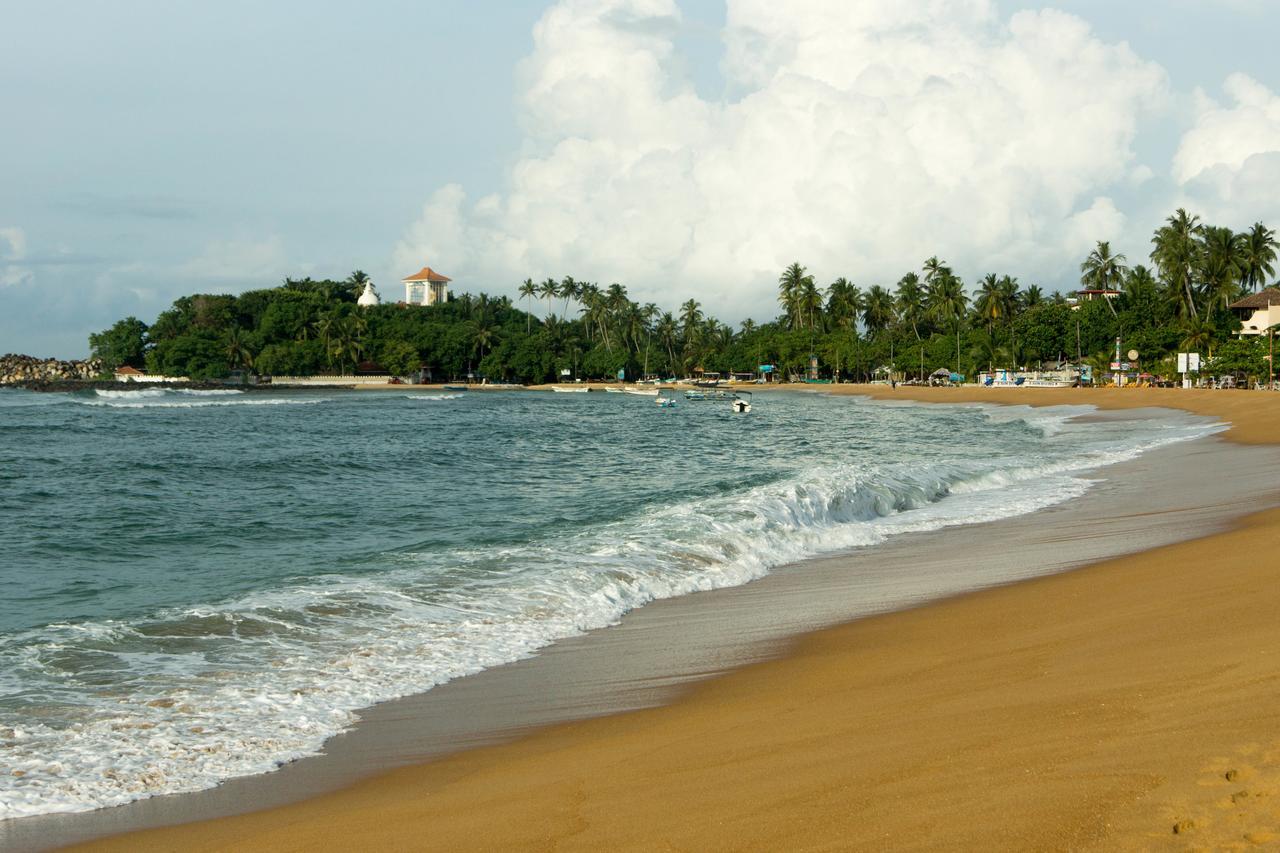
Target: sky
685, 148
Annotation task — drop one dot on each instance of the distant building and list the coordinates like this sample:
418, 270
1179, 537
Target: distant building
426, 287
133, 374
1257, 311
1089, 294
368, 299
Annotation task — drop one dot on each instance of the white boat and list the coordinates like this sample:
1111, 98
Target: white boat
612, 390
641, 392
563, 390
741, 406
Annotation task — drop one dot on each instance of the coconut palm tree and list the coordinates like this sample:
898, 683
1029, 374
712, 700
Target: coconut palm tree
909, 301
483, 339
1174, 254
528, 290
877, 311
1221, 263
948, 304
1103, 270
548, 290
790, 286
1259, 256
237, 348
1032, 297
987, 304
690, 319
668, 333
569, 289
1197, 334
1140, 283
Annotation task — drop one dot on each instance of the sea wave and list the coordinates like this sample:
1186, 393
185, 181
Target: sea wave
182, 398
432, 396
192, 696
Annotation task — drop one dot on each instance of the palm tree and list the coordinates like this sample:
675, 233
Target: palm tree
1259, 256
237, 348
690, 318
910, 301
987, 305
1197, 334
790, 285
1032, 297
1103, 270
325, 327
568, 290
528, 290
948, 303
1221, 265
1139, 283
667, 332
647, 315
483, 339
548, 290
809, 301
1174, 255
877, 311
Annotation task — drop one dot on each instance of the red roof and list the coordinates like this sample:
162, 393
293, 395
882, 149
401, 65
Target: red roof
1262, 299
129, 371
426, 274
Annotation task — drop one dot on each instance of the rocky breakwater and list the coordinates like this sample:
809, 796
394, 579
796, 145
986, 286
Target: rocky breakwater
29, 370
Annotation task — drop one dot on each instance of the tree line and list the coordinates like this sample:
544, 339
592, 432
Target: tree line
927, 320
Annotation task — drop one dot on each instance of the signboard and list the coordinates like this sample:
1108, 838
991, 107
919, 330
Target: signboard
767, 368
564, 371
1115, 365
1182, 362
1188, 362
622, 374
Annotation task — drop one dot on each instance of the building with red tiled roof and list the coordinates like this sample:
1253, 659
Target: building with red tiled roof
426, 287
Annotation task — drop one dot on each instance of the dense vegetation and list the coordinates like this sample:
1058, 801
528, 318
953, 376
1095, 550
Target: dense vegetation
926, 321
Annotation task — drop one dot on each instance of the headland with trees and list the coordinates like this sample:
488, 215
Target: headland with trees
927, 320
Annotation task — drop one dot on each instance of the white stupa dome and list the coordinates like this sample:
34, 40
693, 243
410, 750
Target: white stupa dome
368, 299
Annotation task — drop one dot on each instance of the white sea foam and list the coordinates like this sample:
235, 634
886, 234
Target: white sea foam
181, 398
275, 673
432, 396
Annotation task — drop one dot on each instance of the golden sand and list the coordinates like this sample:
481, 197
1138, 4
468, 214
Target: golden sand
1133, 704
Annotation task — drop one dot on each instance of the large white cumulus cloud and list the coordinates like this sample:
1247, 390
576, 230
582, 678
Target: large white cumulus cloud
1229, 159
860, 136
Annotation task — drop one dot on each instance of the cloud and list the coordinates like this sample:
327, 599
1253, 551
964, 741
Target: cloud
13, 247
859, 138
238, 262
1230, 135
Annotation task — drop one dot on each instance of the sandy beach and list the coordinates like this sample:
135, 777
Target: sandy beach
1129, 704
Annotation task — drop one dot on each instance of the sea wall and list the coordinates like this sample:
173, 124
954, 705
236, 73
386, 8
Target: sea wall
21, 369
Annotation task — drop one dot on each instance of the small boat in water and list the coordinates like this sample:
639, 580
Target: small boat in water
665, 399
563, 390
641, 392
742, 406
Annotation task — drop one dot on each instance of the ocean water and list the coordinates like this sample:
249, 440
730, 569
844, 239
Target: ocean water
203, 585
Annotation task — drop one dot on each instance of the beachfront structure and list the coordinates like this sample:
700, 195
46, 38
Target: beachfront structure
1257, 311
133, 374
1089, 294
368, 299
426, 287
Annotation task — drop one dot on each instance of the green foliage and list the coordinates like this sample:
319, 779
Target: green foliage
124, 343
927, 320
